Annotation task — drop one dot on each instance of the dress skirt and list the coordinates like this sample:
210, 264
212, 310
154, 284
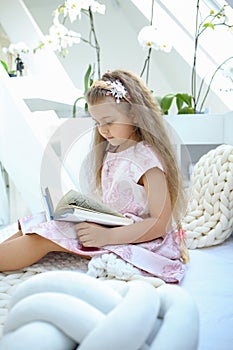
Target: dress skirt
159, 258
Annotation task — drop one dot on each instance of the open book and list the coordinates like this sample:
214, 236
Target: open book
76, 207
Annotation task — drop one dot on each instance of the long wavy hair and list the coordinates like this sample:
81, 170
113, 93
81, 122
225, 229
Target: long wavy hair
151, 128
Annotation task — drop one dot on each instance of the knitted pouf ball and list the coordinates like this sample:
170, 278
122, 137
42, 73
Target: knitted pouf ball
209, 217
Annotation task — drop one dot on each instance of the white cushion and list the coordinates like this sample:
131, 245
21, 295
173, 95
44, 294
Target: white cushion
59, 310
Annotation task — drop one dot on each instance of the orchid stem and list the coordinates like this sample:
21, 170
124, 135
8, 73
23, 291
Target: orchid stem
146, 65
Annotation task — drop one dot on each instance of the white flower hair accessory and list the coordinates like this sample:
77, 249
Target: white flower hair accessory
117, 90
114, 88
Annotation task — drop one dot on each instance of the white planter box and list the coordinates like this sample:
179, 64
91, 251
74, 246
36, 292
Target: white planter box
195, 134
203, 129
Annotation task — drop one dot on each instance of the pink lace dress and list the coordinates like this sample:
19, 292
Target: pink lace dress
121, 191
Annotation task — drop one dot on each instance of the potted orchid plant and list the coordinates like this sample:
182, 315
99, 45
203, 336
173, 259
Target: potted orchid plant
61, 38
13, 54
187, 103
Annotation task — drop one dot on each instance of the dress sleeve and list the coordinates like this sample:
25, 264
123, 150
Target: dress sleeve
146, 158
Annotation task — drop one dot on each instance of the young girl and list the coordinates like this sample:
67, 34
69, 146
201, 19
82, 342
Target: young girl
135, 173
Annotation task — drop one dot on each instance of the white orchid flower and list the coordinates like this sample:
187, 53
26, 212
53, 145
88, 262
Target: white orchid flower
69, 39
228, 14
228, 72
58, 30
97, 7
51, 42
150, 37
16, 48
56, 15
5, 50
60, 38
76, 37
61, 31
72, 9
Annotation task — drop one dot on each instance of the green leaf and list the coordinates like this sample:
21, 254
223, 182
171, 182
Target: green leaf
91, 81
75, 103
166, 102
182, 98
186, 110
87, 83
208, 25
87, 78
187, 99
179, 101
4, 65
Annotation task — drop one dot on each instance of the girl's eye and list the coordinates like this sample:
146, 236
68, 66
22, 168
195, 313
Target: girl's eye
97, 124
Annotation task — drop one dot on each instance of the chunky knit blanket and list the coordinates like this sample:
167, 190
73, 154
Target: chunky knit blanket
209, 218
9, 281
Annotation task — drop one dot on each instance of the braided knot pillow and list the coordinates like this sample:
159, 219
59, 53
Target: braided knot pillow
67, 310
209, 218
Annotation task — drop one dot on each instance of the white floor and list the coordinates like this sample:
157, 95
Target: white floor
209, 280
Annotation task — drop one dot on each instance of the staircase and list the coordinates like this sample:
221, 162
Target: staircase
27, 108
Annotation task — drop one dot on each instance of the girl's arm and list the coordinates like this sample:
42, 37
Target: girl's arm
154, 181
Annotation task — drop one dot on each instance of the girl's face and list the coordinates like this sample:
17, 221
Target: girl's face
113, 122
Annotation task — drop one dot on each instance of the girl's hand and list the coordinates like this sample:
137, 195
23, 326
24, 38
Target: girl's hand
92, 235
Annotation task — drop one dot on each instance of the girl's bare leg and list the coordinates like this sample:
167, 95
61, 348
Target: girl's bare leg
17, 234
24, 251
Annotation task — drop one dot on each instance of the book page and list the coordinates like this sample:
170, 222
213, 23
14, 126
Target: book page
77, 199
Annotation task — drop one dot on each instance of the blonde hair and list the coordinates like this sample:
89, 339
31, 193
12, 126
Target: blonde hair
150, 128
